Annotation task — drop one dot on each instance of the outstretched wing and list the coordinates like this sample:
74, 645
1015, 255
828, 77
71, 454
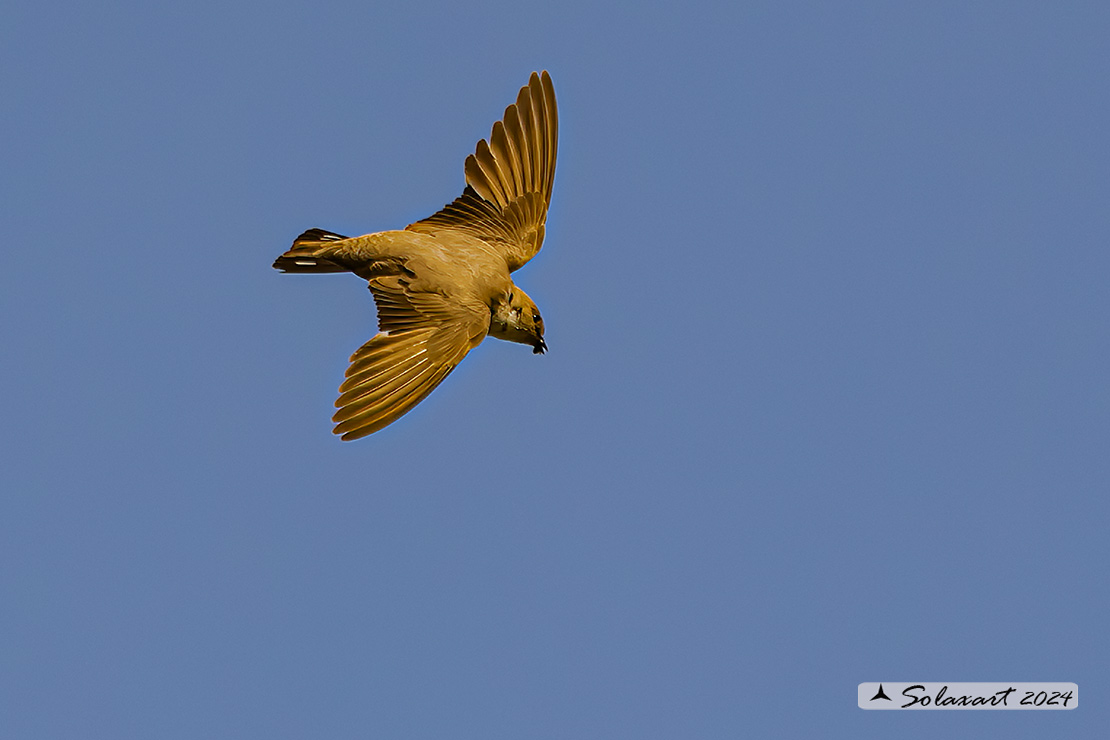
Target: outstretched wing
509, 179
422, 337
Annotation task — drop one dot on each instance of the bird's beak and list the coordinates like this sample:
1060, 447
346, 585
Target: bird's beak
539, 347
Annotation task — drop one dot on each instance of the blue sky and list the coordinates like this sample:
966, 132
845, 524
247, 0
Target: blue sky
825, 288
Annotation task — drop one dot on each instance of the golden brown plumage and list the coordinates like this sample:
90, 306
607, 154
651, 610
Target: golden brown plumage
443, 283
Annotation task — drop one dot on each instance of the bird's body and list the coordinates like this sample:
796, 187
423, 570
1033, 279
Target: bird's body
442, 284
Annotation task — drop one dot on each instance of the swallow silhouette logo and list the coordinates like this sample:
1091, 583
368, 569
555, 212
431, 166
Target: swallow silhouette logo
881, 694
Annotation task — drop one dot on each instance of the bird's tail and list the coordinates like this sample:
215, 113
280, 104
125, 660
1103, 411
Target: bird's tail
306, 253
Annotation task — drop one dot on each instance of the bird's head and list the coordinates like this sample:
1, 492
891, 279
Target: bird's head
517, 319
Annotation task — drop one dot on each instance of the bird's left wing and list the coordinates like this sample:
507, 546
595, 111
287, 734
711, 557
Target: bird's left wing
509, 179
422, 337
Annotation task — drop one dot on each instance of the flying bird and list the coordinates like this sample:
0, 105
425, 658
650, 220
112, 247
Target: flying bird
442, 284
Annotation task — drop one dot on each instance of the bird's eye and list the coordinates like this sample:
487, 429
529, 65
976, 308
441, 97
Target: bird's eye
535, 317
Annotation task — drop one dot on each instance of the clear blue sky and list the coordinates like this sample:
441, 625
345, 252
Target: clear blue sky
826, 291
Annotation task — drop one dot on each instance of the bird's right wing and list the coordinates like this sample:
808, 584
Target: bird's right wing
422, 337
509, 179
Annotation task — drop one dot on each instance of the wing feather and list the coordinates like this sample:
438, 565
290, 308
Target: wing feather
514, 133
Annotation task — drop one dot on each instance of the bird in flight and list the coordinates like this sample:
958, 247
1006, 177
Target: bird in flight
442, 284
